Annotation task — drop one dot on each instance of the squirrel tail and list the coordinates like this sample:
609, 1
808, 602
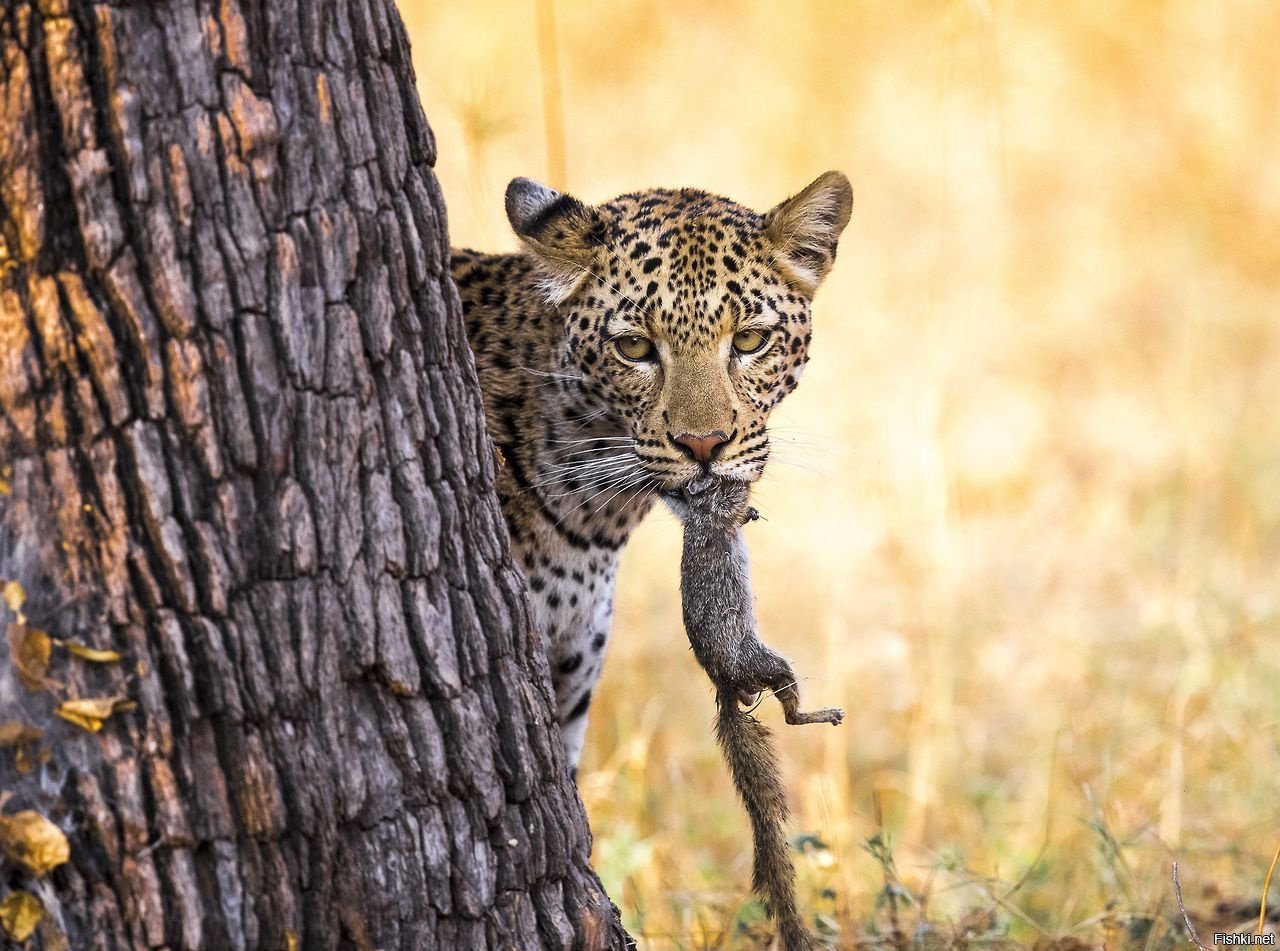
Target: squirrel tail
748, 749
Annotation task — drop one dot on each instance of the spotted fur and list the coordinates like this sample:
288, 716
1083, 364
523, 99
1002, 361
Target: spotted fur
588, 434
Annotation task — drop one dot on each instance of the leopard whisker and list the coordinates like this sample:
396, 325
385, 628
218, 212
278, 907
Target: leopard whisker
575, 482
584, 466
620, 490
587, 465
570, 452
646, 496
631, 477
588, 480
587, 419
571, 460
593, 439
575, 377
605, 503
575, 453
782, 459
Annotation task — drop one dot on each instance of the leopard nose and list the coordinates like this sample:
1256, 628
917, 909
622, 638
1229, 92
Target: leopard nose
701, 448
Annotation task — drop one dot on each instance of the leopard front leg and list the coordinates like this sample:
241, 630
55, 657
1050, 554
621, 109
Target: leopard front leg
573, 699
572, 601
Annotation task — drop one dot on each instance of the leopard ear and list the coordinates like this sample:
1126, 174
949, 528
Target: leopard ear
564, 234
806, 228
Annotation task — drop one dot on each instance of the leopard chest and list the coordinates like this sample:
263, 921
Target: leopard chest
571, 597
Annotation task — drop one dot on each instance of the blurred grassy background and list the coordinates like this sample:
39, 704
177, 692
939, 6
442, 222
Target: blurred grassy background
1031, 529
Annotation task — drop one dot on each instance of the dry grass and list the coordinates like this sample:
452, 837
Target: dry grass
1032, 531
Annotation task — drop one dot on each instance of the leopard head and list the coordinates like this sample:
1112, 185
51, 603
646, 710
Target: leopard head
685, 314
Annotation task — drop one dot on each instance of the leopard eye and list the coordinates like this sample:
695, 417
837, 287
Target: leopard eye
635, 347
750, 341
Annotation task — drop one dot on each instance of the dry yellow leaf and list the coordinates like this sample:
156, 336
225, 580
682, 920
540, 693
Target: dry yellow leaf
33, 841
30, 648
6, 473
25, 739
90, 713
14, 596
28, 755
95, 654
12, 732
20, 912
291, 940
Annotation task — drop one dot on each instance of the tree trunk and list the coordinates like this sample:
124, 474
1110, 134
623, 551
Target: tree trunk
243, 446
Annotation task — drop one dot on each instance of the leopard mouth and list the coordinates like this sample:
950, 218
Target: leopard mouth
697, 484
700, 483
683, 495
681, 478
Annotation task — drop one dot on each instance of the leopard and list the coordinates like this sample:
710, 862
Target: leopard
629, 349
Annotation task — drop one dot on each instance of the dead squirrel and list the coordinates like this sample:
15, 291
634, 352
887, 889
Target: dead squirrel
715, 588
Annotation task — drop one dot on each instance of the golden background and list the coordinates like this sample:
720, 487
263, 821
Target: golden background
1024, 516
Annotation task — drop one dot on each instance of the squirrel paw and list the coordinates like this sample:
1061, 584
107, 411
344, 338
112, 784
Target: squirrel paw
832, 715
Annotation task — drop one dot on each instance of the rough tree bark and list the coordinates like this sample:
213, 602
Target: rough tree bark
244, 446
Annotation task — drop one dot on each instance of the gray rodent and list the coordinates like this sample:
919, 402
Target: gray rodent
715, 588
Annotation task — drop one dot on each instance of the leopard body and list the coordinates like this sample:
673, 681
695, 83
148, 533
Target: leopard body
614, 354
